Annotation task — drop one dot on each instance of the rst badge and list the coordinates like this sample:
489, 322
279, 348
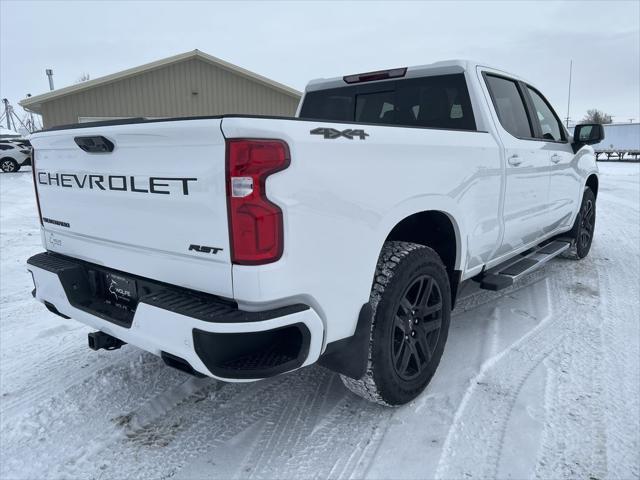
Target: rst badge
204, 249
332, 133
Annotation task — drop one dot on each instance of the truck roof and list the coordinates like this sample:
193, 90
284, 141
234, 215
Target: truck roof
437, 68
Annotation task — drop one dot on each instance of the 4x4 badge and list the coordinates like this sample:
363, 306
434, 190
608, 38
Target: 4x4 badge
332, 133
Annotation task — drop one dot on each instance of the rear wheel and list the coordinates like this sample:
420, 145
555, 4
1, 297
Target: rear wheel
411, 303
583, 228
9, 165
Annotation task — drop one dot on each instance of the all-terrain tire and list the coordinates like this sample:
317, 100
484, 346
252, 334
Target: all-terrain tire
581, 234
405, 269
9, 165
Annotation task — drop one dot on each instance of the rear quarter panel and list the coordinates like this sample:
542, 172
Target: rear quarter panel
342, 197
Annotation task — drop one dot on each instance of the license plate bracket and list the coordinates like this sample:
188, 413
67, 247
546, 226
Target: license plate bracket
120, 291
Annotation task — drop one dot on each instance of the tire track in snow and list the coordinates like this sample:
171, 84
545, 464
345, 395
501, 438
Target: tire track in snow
574, 439
86, 409
623, 380
191, 427
482, 417
343, 441
595, 401
154, 423
285, 431
570, 343
622, 373
39, 381
328, 435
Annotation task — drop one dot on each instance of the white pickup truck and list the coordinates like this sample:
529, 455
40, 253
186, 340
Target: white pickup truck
243, 247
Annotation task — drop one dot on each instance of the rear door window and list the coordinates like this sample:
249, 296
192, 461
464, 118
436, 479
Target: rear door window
436, 102
510, 106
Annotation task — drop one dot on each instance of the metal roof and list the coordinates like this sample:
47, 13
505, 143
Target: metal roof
34, 103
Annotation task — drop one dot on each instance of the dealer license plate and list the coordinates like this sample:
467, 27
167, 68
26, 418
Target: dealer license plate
120, 290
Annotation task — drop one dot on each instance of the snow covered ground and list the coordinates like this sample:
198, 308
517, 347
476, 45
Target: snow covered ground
541, 380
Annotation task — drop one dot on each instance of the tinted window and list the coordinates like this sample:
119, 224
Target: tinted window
509, 105
549, 123
375, 107
333, 105
436, 102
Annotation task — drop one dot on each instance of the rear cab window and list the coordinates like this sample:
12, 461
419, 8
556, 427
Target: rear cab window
430, 102
510, 106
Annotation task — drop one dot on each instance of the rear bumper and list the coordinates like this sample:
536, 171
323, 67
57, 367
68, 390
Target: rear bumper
210, 334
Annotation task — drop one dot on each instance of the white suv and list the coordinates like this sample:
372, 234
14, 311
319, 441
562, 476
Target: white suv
13, 156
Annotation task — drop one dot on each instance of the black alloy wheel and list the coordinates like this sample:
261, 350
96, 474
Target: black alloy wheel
417, 324
587, 222
411, 311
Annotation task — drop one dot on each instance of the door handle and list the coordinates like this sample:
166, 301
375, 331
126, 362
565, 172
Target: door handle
555, 158
514, 160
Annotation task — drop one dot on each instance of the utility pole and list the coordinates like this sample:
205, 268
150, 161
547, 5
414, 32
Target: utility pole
569, 95
6, 112
32, 124
50, 75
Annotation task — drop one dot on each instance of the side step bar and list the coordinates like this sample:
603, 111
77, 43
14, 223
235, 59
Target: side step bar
506, 274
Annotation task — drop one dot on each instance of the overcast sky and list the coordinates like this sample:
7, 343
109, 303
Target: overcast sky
292, 42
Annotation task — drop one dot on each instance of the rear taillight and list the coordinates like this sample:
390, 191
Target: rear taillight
35, 184
255, 223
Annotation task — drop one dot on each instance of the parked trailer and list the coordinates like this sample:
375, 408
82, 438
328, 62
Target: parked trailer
620, 140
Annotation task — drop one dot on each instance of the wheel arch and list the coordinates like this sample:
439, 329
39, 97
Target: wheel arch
410, 223
593, 183
438, 230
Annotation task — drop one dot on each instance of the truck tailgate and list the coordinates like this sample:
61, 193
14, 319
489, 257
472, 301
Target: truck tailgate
154, 206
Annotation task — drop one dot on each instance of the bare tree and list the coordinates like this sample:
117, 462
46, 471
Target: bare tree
596, 116
83, 78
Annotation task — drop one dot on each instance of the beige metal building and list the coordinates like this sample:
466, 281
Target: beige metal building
189, 84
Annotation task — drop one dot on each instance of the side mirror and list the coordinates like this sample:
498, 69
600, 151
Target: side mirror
587, 134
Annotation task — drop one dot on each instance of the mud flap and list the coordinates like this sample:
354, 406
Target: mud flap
349, 356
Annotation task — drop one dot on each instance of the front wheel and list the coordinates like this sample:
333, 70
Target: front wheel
9, 165
411, 302
581, 234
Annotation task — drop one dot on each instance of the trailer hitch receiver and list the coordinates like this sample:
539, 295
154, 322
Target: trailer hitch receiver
100, 340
